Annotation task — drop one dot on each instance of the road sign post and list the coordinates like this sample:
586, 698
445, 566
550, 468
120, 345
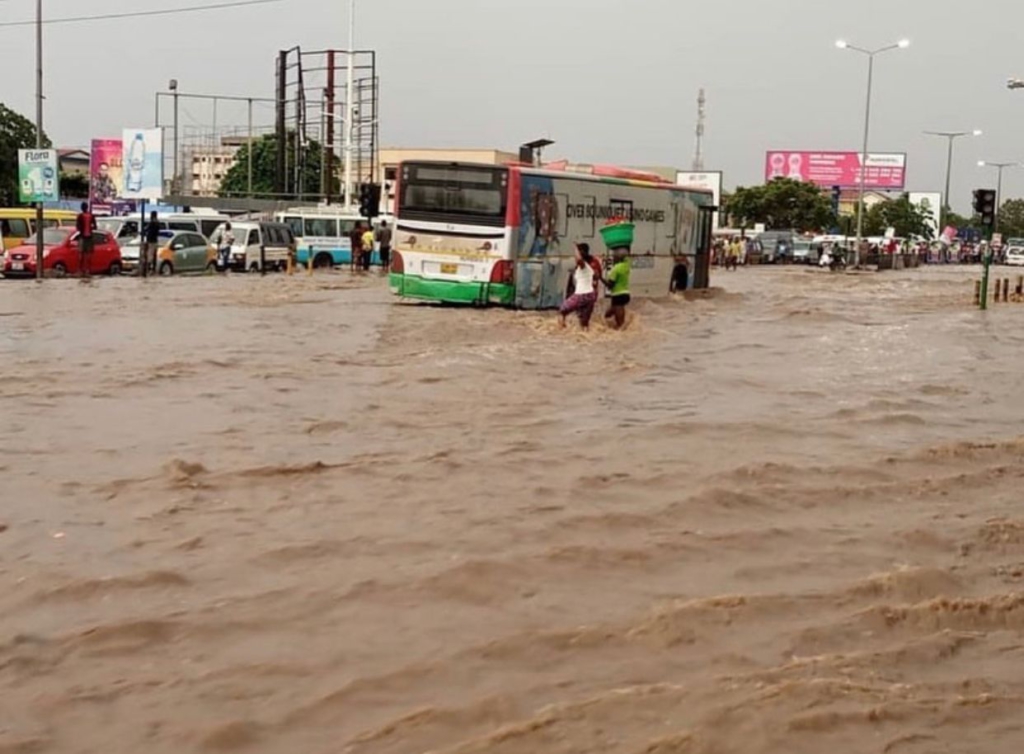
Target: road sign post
38, 182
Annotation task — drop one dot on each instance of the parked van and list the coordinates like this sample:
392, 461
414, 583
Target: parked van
777, 245
200, 223
275, 239
17, 224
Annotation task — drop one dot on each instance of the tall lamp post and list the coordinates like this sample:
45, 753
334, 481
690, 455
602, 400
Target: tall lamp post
173, 86
39, 131
999, 166
951, 136
349, 104
843, 45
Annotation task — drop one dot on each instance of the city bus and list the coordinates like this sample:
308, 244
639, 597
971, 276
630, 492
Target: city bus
322, 234
505, 235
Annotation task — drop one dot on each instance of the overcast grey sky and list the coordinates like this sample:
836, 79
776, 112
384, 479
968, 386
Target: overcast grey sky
610, 80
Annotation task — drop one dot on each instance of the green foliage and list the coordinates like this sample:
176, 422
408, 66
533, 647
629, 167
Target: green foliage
782, 204
264, 166
960, 222
1011, 218
16, 132
74, 186
908, 219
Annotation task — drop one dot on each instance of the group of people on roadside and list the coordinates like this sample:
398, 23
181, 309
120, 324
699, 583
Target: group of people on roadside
731, 253
364, 239
582, 288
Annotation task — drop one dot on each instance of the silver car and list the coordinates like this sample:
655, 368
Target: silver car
176, 251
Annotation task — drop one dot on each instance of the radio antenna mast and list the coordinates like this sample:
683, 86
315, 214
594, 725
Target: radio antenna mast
698, 157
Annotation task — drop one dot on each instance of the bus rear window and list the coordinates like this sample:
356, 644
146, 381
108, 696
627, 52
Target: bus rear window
454, 193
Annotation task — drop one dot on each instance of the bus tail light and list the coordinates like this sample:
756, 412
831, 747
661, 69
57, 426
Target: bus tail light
503, 272
397, 263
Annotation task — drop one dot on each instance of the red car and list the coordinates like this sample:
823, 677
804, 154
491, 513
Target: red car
61, 255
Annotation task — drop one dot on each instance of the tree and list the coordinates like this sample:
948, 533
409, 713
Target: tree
908, 219
961, 222
16, 132
1011, 218
74, 186
782, 204
264, 169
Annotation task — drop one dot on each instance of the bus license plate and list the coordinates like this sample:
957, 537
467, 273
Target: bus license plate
449, 269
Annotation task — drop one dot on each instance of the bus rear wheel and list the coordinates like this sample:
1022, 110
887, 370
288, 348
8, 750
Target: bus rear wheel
323, 261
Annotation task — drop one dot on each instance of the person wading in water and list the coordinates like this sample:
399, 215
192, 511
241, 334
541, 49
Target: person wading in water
618, 288
583, 282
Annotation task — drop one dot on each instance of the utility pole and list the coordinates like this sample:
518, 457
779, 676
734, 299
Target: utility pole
870, 54
950, 136
252, 146
698, 157
39, 131
349, 109
174, 180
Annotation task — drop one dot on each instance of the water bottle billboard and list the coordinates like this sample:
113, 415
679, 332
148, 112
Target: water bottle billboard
143, 163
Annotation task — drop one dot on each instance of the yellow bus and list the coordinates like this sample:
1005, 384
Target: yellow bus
18, 224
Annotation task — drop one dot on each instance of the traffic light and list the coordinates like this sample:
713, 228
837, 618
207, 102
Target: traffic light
369, 200
985, 206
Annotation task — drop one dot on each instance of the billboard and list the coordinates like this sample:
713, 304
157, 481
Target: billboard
143, 163
710, 180
930, 202
886, 171
106, 173
37, 176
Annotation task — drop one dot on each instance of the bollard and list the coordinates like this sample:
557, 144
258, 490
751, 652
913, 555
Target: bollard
1020, 285
977, 292
986, 260
1006, 290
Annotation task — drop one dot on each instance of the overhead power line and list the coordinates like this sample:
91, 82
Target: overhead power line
136, 14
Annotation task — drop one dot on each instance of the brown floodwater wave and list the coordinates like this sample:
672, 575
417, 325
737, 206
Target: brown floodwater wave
289, 514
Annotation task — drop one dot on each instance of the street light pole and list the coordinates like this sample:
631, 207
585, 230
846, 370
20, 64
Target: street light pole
999, 166
39, 131
864, 163
951, 136
349, 105
902, 44
173, 86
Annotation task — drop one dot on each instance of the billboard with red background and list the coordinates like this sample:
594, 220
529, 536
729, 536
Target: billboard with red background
885, 171
106, 174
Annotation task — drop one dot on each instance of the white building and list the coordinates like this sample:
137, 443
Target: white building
208, 166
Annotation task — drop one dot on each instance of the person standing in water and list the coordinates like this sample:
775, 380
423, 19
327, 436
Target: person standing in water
618, 288
384, 239
85, 224
584, 281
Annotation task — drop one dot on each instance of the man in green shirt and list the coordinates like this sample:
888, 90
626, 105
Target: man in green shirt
618, 288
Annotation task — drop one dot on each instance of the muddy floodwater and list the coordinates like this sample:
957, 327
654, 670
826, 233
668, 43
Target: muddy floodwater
288, 515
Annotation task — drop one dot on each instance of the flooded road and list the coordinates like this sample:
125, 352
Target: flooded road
290, 515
